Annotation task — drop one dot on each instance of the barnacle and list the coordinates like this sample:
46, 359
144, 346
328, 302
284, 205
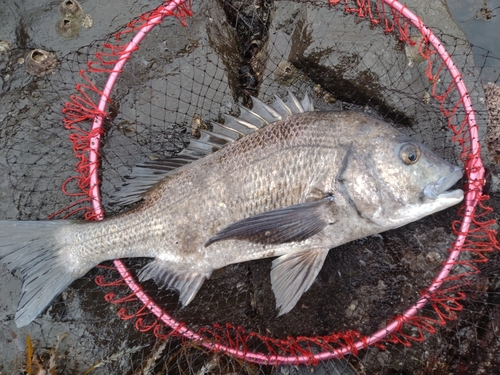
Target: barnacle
72, 7
40, 62
68, 26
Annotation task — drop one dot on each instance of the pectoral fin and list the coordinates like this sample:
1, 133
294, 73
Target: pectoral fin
293, 274
187, 283
293, 223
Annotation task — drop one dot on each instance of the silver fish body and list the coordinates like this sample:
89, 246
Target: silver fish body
293, 189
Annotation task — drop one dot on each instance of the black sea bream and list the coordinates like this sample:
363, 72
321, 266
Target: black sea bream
284, 182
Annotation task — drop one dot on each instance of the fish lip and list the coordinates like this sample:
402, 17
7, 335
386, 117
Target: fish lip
440, 187
457, 195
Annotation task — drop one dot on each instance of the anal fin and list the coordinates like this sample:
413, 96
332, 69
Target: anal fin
165, 275
293, 274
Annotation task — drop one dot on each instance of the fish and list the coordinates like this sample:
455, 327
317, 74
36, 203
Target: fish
281, 180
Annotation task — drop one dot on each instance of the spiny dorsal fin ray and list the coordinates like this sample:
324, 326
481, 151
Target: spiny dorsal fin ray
145, 175
307, 104
294, 104
239, 125
252, 117
280, 106
224, 131
267, 112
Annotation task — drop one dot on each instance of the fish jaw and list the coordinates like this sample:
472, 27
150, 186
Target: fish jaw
418, 211
435, 190
436, 196
441, 202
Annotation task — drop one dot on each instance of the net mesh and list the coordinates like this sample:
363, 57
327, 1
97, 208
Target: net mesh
376, 302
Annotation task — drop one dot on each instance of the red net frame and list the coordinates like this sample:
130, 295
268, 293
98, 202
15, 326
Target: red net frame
473, 231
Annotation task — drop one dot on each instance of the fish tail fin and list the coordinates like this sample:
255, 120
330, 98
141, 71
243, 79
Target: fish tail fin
32, 248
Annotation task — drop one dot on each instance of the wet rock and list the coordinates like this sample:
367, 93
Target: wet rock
480, 22
492, 95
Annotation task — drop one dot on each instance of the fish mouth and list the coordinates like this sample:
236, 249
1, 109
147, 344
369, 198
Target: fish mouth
439, 188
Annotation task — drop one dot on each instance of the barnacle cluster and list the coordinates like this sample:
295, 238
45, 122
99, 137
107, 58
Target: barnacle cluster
71, 19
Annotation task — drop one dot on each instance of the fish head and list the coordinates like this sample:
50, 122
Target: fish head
391, 179
413, 181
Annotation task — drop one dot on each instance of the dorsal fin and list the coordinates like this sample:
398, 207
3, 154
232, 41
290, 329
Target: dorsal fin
145, 175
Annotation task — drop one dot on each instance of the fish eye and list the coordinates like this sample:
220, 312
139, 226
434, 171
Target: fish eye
409, 153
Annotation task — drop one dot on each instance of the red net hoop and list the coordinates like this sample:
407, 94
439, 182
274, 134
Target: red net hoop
473, 233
